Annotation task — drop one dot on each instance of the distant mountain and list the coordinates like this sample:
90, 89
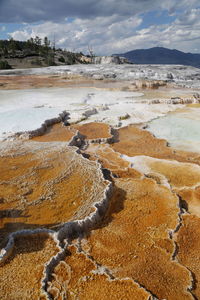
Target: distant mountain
160, 55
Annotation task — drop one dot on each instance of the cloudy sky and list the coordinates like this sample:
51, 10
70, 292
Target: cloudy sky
105, 26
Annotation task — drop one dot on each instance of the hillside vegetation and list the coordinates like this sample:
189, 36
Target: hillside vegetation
35, 52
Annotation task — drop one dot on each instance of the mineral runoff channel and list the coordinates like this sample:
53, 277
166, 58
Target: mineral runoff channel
92, 205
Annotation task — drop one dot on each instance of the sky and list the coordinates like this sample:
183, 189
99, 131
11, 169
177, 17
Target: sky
105, 26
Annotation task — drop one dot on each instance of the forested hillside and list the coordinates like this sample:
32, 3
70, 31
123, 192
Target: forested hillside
35, 52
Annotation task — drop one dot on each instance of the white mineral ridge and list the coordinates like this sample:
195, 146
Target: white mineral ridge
22, 110
183, 75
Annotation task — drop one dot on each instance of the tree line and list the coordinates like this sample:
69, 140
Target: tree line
36, 45
32, 47
43, 50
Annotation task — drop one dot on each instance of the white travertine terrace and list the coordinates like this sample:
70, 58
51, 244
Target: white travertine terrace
182, 75
82, 105
26, 110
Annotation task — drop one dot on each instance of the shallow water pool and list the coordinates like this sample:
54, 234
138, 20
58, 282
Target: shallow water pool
181, 129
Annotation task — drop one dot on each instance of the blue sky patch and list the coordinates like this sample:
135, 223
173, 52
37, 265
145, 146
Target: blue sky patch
156, 18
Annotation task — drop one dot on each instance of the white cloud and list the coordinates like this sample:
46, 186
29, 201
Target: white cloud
118, 34
100, 33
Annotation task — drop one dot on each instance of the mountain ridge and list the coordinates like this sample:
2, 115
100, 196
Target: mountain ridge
161, 55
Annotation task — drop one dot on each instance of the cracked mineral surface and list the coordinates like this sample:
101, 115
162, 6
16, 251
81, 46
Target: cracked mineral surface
23, 271
78, 276
46, 185
92, 204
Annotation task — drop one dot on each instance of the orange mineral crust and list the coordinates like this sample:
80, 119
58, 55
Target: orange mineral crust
188, 246
77, 277
94, 130
56, 133
39, 81
191, 198
134, 141
183, 178
177, 174
138, 246
21, 275
20, 82
45, 184
111, 160
134, 240
99, 132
